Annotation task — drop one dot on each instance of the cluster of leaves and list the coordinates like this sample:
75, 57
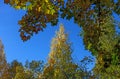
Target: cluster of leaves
86, 13
38, 14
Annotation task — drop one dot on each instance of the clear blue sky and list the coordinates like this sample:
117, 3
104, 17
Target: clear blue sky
38, 47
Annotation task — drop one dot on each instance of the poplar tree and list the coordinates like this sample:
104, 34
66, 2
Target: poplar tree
60, 65
3, 63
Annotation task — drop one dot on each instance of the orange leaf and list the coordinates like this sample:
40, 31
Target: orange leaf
6, 1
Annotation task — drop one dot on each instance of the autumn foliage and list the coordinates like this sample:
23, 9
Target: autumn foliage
95, 18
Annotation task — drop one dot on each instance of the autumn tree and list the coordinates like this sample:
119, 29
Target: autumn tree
60, 65
3, 63
12, 68
20, 73
107, 60
31, 70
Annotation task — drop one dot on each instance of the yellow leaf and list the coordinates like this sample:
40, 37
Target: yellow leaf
30, 7
39, 8
24, 8
16, 2
89, 45
46, 1
52, 11
48, 11
17, 7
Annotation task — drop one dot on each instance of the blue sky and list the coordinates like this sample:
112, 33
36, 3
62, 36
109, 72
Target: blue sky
38, 47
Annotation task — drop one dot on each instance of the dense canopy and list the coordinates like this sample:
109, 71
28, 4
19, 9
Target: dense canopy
95, 17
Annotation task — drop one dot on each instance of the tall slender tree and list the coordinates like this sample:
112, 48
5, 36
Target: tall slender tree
3, 63
60, 65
